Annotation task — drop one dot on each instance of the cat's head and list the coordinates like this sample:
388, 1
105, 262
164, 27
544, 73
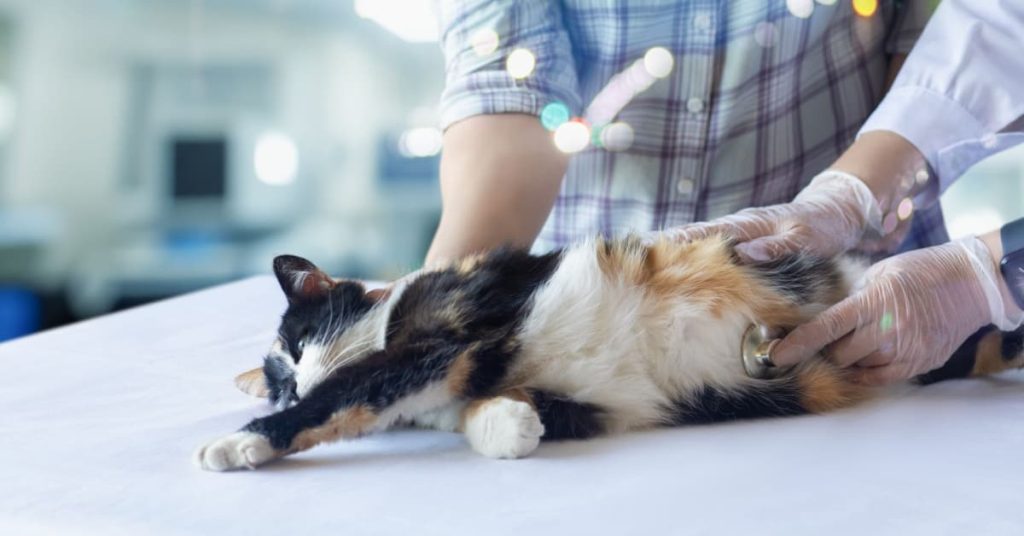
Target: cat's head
327, 324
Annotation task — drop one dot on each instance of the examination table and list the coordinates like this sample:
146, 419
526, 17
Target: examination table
99, 421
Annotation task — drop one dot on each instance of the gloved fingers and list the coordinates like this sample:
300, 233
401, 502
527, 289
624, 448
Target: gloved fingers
769, 248
883, 375
830, 326
741, 227
875, 359
732, 227
852, 349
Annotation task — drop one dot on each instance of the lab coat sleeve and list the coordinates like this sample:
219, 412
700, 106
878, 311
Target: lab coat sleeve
960, 95
477, 80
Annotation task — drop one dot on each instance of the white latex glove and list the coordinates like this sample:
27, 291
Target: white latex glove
909, 316
826, 218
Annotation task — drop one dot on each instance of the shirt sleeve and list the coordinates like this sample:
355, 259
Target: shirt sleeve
960, 95
477, 81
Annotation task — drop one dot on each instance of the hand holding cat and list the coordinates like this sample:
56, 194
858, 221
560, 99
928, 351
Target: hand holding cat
826, 218
909, 315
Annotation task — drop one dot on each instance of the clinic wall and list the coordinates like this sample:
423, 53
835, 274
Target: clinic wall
338, 91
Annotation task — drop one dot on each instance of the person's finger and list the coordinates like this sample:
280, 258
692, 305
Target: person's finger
734, 227
808, 339
883, 375
852, 348
768, 248
875, 359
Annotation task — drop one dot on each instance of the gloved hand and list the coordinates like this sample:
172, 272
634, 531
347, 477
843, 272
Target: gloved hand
826, 218
910, 314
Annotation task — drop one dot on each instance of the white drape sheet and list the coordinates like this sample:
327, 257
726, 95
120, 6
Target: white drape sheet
99, 421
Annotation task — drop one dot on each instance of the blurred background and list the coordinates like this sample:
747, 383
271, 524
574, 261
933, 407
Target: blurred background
154, 147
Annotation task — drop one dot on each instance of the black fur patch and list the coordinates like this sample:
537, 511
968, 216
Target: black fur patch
484, 306
1013, 344
565, 418
709, 405
802, 278
322, 316
377, 382
960, 364
439, 316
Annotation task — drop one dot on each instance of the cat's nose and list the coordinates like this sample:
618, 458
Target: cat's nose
289, 395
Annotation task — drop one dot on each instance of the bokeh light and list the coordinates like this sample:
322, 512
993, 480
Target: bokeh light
420, 142
905, 209
801, 8
553, 115
886, 322
520, 63
765, 34
658, 62
616, 136
485, 42
572, 136
276, 159
865, 8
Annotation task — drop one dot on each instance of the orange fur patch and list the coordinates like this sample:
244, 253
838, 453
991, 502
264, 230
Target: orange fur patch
824, 387
989, 357
702, 270
253, 383
460, 371
347, 423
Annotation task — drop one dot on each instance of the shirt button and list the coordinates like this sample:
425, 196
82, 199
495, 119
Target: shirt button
702, 21
695, 105
685, 186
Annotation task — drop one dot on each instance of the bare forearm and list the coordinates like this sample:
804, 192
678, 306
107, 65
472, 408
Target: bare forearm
887, 163
500, 175
884, 160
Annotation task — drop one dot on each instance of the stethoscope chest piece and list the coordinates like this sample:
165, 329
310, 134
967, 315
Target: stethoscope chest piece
758, 343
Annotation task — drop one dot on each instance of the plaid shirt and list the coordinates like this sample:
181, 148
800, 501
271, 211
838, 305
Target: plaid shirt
758, 102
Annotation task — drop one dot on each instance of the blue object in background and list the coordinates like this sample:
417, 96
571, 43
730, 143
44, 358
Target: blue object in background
19, 313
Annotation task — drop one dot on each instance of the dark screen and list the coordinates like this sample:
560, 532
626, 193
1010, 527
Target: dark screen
199, 167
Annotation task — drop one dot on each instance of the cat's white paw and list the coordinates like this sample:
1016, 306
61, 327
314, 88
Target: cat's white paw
504, 428
238, 450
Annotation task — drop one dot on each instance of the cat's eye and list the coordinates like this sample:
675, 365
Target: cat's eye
302, 345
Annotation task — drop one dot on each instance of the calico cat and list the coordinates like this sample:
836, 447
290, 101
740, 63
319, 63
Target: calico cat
511, 348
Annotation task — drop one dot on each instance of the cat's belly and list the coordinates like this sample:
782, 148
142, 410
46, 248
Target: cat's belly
625, 350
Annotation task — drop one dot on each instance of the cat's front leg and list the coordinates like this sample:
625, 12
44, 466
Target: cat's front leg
295, 429
236, 451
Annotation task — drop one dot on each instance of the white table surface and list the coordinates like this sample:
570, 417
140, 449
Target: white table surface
100, 419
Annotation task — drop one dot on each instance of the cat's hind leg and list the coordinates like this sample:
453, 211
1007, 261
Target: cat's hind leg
513, 424
988, 351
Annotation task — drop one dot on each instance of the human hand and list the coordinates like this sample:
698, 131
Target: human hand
909, 316
827, 217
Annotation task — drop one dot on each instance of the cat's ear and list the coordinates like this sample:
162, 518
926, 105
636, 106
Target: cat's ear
253, 383
301, 279
378, 295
